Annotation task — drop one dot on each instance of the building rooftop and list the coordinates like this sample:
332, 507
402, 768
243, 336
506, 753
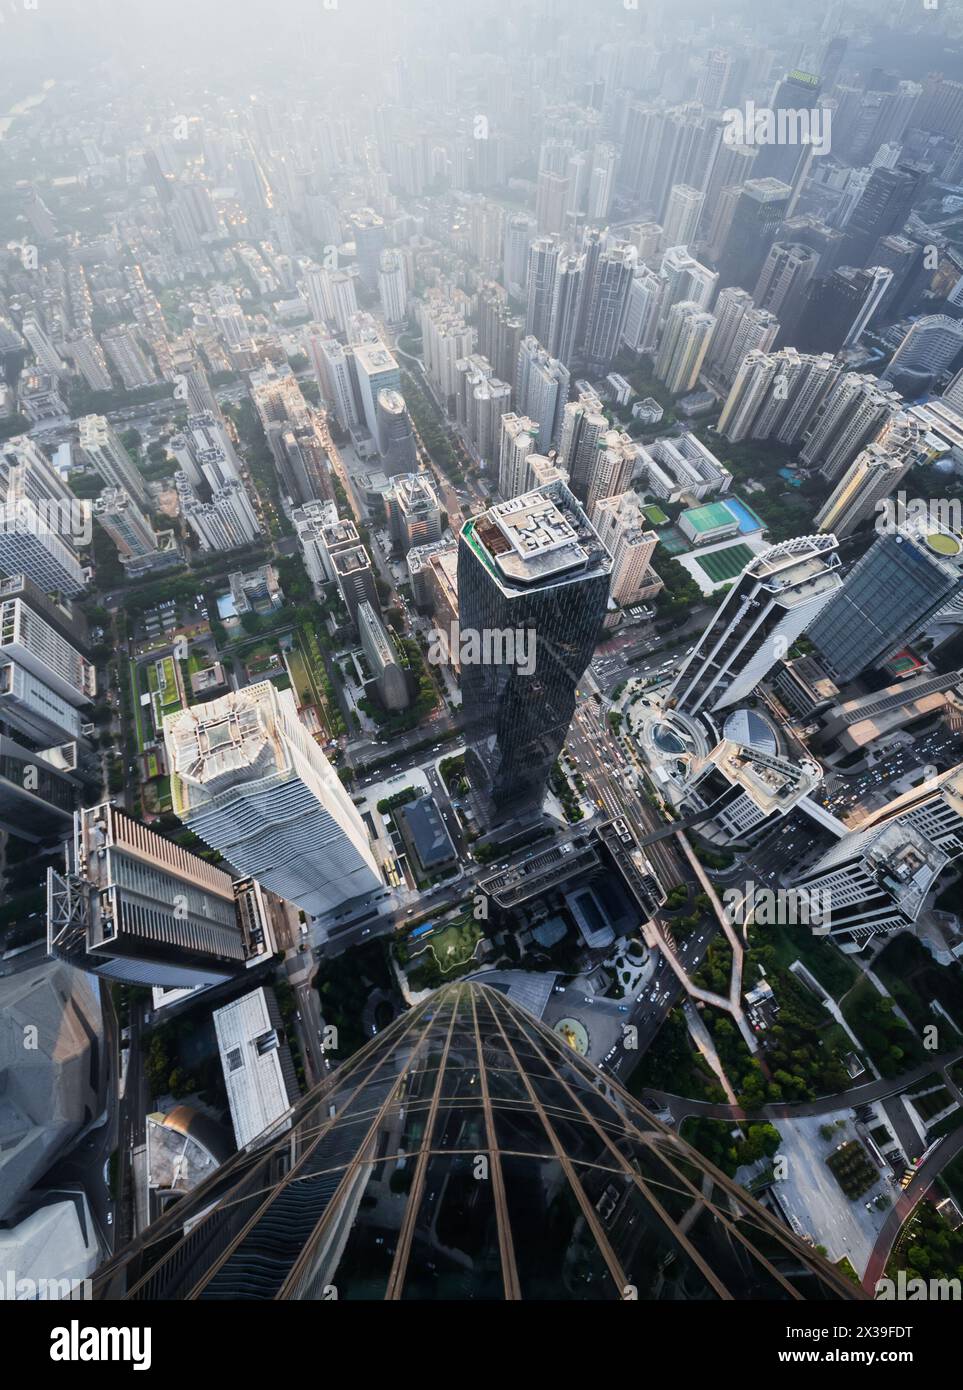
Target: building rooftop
249, 1040
428, 832
536, 538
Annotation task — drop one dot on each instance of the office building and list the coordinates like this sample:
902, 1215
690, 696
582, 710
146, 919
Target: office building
259, 1073
758, 208
874, 881
355, 578
370, 1230
393, 287
248, 778
27, 638
838, 310
743, 791
413, 511
370, 238
776, 598
134, 907
389, 676
782, 286
376, 371
43, 523
396, 435
532, 567
905, 577
882, 210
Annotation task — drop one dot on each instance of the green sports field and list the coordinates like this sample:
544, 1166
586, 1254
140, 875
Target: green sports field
721, 565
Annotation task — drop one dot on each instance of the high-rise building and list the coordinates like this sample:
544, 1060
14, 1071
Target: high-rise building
248, 778
873, 475
569, 293
32, 711
107, 456
686, 279
332, 367
41, 345
883, 208
876, 880
88, 359
393, 287
758, 208
609, 473
140, 549
782, 283
558, 1220
370, 239
226, 522
413, 510
797, 92
837, 310
541, 390
644, 309
532, 568
376, 371
905, 577
447, 339
27, 638
128, 358
43, 523
133, 906
682, 215
517, 440
850, 415
520, 231
931, 346
601, 182
543, 258
395, 434
685, 341
606, 307
775, 599
551, 203
389, 676
621, 526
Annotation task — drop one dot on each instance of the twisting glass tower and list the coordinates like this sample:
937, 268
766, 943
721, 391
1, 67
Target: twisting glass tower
468, 1153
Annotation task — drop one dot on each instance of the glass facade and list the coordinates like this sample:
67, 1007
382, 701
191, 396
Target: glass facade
897, 584
468, 1153
517, 713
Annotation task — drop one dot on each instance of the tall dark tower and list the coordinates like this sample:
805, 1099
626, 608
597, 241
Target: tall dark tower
532, 572
468, 1153
884, 207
